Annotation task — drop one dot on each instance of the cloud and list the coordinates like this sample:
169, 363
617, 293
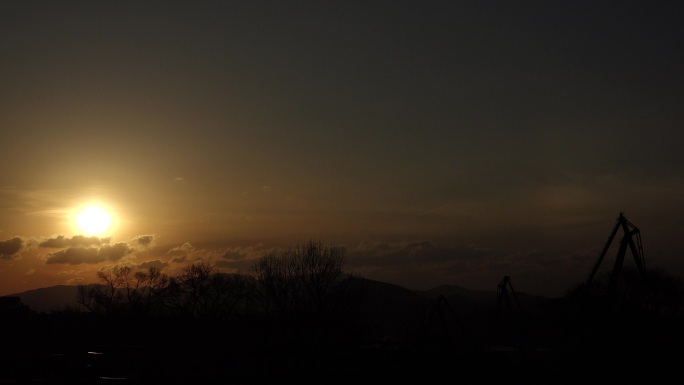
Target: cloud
145, 241
182, 250
74, 281
380, 253
158, 264
75, 256
116, 251
233, 255
10, 248
61, 241
182, 259
242, 259
247, 252
236, 266
79, 255
187, 253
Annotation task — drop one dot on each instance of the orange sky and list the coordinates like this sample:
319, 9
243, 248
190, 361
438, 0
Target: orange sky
436, 142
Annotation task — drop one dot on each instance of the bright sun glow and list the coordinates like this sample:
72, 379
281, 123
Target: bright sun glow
93, 220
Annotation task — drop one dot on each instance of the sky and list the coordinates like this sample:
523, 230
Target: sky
434, 142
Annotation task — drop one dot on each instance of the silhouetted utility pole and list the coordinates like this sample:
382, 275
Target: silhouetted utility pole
450, 325
504, 290
628, 239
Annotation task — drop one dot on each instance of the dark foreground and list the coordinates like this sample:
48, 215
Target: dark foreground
81, 349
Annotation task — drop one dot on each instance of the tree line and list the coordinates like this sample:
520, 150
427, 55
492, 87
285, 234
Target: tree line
303, 281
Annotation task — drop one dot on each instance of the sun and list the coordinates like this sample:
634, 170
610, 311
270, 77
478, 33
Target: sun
93, 220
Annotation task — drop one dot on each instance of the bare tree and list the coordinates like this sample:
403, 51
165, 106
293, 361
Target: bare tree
122, 291
157, 287
147, 291
278, 287
319, 267
202, 292
189, 288
199, 291
299, 278
107, 297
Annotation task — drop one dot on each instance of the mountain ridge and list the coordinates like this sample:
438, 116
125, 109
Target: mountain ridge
61, 297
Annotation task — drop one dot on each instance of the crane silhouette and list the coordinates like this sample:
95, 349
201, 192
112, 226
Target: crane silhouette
631, 239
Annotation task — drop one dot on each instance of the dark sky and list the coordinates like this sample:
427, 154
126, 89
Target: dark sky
438, 142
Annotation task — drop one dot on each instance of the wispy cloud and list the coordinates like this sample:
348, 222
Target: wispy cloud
183, 250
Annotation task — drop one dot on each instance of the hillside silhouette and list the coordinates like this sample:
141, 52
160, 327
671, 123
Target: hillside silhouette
300, 318
397, 333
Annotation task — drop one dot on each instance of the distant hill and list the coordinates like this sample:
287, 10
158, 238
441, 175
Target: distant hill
469, 301
454, 290
385, 300
49, 299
